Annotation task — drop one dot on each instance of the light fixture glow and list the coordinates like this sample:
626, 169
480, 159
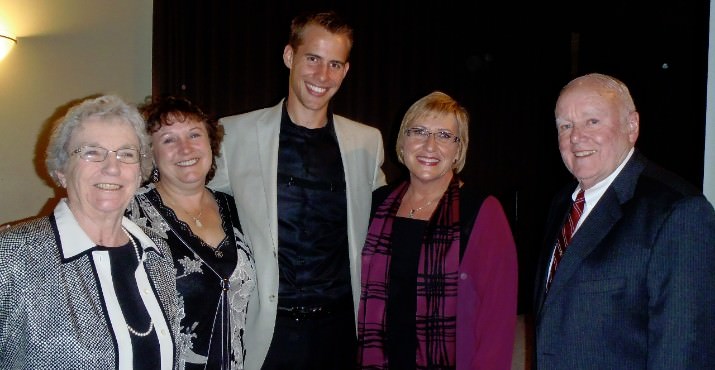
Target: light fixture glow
6, 43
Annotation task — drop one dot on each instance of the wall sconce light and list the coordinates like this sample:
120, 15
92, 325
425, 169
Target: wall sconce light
6, 43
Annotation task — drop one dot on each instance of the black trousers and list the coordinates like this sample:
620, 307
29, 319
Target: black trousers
320, 343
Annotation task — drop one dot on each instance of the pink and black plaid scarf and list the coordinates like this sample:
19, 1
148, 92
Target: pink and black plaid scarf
436, 284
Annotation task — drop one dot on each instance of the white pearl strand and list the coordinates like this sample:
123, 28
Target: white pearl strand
151, 323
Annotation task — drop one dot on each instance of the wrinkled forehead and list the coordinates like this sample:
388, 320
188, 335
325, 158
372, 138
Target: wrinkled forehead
587, 94
101, 130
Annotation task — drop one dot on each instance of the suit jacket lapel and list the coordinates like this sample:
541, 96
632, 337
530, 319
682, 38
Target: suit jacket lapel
597, 225
589, 235
345, 142
267, 140
556, 219
347, 145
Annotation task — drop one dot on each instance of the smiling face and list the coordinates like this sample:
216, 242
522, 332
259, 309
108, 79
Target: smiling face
182, 153
101, 190
317, 69
430, 160
596, 131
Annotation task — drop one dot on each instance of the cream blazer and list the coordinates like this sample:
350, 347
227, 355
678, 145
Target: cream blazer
247, 169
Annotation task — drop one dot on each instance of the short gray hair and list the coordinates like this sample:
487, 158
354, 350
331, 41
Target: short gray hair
105, 107
607, 83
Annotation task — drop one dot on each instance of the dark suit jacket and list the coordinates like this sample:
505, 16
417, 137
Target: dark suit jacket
636, 286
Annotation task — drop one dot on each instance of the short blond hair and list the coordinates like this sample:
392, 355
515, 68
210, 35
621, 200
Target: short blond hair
437, 103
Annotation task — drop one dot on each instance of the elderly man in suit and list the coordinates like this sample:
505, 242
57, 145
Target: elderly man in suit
634, 288
303, 178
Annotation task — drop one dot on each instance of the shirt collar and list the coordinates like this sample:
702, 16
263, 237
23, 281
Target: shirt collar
594, 194
285, 118
74, 241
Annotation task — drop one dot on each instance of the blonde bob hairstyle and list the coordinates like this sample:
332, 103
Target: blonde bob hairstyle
433, 104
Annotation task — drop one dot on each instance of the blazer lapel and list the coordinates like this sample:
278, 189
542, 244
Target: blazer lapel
587, 238
346, 143
267, 140
599, 222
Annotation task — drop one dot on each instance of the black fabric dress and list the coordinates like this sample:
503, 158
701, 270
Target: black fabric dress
214, 284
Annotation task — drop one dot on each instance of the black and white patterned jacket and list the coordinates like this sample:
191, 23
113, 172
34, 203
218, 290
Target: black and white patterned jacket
56, 309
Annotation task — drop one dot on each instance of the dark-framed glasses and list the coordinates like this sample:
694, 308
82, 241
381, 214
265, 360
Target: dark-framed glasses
422, 134
98, 154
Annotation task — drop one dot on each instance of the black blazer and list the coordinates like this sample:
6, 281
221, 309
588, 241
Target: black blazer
636, 286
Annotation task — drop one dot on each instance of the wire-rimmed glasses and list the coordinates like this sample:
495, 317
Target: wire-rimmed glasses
422, 134
98, 154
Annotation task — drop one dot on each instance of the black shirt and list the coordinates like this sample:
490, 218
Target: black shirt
312, 217
124, 262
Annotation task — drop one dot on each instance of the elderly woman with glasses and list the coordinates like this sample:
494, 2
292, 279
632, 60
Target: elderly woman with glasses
439, 268
84, 287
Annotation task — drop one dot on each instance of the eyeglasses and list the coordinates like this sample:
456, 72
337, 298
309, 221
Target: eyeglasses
99, 154
422, 134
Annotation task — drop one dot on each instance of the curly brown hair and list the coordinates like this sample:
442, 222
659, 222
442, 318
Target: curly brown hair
166, 110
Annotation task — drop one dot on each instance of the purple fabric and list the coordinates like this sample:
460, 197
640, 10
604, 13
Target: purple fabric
487, 293
436, 284
466, 314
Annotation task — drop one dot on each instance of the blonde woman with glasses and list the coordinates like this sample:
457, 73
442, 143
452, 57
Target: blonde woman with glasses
439, 269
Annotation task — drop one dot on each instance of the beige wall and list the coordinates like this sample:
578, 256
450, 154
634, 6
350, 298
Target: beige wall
66, 50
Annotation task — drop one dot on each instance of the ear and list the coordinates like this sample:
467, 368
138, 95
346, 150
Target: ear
288, 56
63, 179
633, 126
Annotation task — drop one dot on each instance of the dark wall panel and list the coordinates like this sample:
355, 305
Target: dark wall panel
501, 60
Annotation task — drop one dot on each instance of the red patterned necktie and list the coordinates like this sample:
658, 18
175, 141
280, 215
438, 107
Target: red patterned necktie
566, 234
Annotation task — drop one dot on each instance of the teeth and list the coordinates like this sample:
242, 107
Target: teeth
108, 186
316, 89
584, 153
425, 159
188, 162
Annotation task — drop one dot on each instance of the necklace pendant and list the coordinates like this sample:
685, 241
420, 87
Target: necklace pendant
412, 213
198, 223
218, 254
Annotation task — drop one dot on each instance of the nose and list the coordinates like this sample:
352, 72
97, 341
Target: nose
111, 163
575, 134
323, 72
431, 141
184, 146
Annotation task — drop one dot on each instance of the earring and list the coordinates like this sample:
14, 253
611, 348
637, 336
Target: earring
155, 175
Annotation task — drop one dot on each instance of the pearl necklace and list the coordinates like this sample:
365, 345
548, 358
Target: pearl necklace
151, 323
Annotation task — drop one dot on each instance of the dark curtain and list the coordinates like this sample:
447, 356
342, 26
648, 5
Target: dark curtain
501, 60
